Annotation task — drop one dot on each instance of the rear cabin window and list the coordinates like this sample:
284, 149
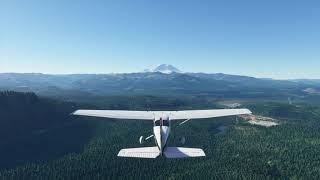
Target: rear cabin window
164, 122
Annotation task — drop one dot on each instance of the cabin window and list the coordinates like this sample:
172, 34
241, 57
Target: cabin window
157, 123
161, 122
165, 123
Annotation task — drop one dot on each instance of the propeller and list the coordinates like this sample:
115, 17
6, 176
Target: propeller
182, 140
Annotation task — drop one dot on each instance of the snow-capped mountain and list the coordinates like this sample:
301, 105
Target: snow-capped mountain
165, 68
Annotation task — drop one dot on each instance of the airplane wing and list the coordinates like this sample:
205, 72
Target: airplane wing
150, 115
117, 114
202, 114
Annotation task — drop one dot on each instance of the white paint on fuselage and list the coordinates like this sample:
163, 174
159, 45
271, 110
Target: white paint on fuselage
161, 135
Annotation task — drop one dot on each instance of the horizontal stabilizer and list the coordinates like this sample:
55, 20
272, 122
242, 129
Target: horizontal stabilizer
180, 152
145, 152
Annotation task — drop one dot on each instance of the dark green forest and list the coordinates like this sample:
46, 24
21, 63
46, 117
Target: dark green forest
39, 139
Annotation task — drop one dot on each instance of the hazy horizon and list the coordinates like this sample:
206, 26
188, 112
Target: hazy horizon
142, 71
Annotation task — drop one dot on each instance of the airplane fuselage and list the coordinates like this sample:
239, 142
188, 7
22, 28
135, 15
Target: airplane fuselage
161, 131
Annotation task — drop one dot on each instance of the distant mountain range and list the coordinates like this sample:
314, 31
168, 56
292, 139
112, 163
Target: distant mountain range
163, 80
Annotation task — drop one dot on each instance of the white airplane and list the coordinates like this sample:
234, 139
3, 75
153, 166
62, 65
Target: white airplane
161, 129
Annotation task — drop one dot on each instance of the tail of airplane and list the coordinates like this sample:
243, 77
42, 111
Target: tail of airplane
169, 152
180, 152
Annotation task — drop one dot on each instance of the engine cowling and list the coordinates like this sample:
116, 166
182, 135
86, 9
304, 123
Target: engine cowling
141, 140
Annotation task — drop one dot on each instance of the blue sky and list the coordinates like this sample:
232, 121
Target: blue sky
271, 38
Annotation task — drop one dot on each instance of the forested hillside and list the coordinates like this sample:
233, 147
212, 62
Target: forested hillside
34, 129
21, 113
50, 144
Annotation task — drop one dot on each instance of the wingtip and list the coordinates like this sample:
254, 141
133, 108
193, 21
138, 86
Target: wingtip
120, 153
247, 111
74, 113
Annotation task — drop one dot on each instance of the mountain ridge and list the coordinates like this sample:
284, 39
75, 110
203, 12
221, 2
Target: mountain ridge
163, 80
153, 83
